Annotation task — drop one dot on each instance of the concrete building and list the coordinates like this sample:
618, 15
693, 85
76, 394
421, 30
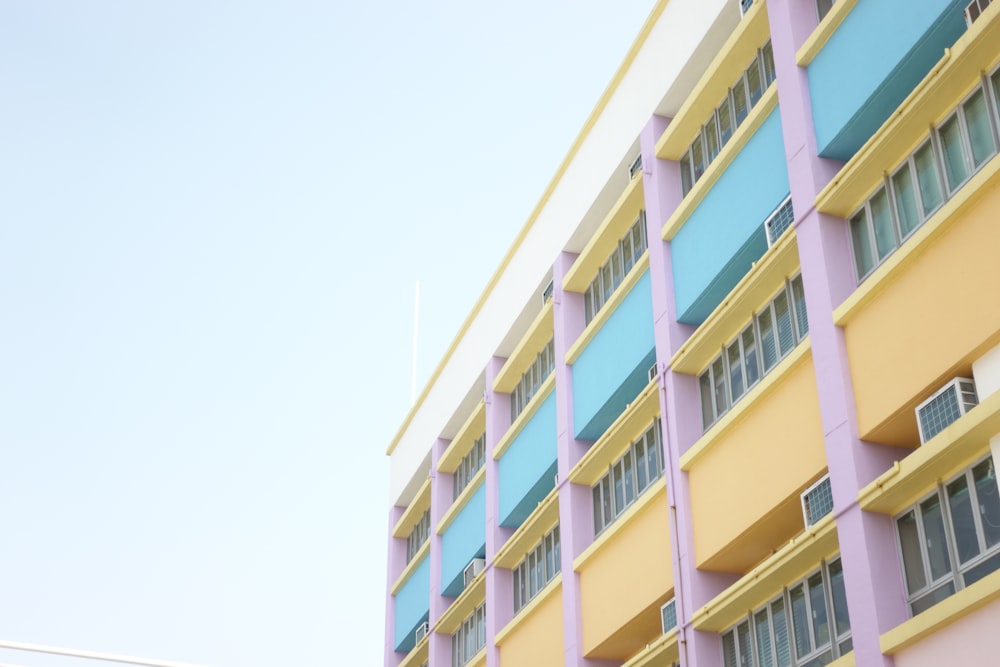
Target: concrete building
706, 411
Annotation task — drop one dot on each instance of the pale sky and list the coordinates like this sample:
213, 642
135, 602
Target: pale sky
212, 217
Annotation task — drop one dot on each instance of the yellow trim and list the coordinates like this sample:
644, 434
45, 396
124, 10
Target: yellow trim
844, 661
823, 32
664, 650
746, 403
527, 610
610, 306
792, 562
944, 613
954, 76
526, 414
736, 143
651, 494
461, 501
750, 34
604, 241
912, 248
534, 528
478, 660
625, 430
463, 606
591, 121
407, 572
411, 517
418, 654
756, 289
460, 445
537, 337
955, 448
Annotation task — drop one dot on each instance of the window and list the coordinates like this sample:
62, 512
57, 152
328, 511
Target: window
823, 8
538, 568
532, 379
470, 638
732, 111
806, 625
628, 477
959, 147
951, 539
771, 334
610, 276
418, 536
470, 465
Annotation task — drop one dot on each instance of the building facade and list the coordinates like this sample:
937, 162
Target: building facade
731, 399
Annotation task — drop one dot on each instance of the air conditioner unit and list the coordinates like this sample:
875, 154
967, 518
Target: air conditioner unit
946, 405
651, 373
473, 569
635, 168
547, 293
668, 615
745, 6
422, 631
817, 501
974, 9
779, 221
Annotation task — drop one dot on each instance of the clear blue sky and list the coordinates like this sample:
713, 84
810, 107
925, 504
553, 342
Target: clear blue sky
212, 215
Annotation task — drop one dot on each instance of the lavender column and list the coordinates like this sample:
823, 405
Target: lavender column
394, 568
439, 647
499, 582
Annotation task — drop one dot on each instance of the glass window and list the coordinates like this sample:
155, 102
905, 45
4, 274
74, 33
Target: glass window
754, 83
842, 623
955, 167
762, 631
768, 344
823, 7
712, 138
962, 521
640, 463
629, 475
725, 116
817, 602
707, 413
750, 356
767, 58
740, 106
928, 178
906, 200
786, 337
913, 562
800, 621
686, 180
937, 547
782, 649
988, 495
977, 119
735, 370
697, 158
861, 242
799, 302
616, 271
885, 237
743, 637
719, 378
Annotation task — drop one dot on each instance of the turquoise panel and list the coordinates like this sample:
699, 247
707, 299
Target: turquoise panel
872, 62
725, 233
464, 540
413, 605
527, 468
611, 370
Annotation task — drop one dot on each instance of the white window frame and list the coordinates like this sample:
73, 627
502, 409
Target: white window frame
418, 536
627, 254
470, 464
532, 379
540, 566
470, 638
607, 506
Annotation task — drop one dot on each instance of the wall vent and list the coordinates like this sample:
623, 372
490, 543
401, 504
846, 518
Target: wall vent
779, 221
946, 405
651, 373
668, 615
817, 501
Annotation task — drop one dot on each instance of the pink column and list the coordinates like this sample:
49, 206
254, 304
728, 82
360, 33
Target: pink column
499, 582
439, 646
872, 576
394, 568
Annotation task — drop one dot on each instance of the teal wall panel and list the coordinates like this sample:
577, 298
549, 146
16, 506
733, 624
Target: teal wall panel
527, 468
412, 605
463, 540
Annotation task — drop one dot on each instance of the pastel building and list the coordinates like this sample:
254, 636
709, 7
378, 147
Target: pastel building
732, 399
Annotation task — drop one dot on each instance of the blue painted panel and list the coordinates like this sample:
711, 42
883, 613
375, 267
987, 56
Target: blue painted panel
464, 540
725, 235
611, 370
527, 468
412, 605
872, 62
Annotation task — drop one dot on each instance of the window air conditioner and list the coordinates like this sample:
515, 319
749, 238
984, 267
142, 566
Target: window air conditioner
974, 9
745, 6
422, 631
946, 405
668, 615
651, 373
779, 221
635, 168
472, 570
817, 501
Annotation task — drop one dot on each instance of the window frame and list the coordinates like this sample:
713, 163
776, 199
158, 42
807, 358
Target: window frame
533, 573
604, 494
598, 293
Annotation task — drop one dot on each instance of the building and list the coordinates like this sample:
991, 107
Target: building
704, 413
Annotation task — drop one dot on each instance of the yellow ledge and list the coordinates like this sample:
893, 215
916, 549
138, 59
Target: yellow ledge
460, 445
463, 606
663, 651
765, 105
419, 654
478, 660
600, 246
912, 248
792, 562
823, 32
610, 306
733, 58
843, 661
410, 567
526, 414
952, 450
461, 501
934, 98
745, 404
527, 610
539, 522
752, 293
625, 430
656, 492
941, 615
411, 517
537, 337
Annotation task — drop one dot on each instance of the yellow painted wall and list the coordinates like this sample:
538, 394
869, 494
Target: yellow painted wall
745, 486
930, 322
538, 640
629, 574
